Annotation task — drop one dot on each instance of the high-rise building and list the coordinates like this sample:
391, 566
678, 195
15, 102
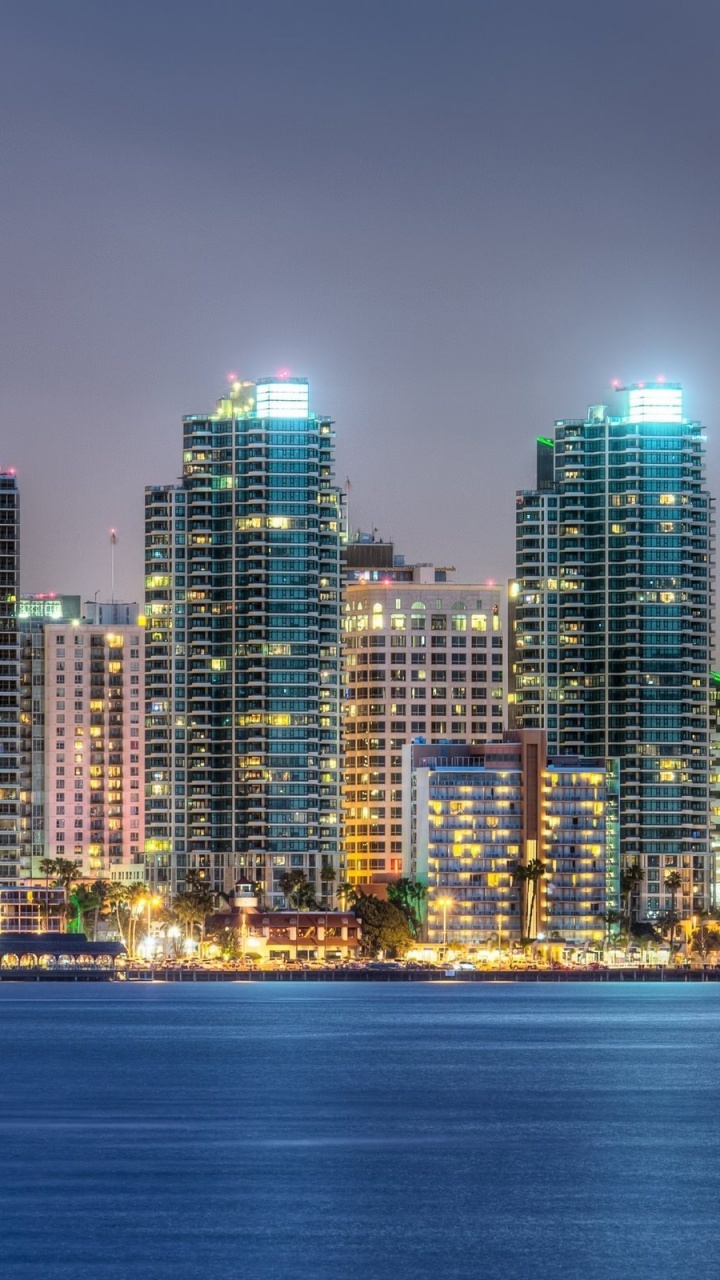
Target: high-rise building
93, 749
613, 613
11, 866
478, 816
243, 639
423, 658
35, 613
714, 783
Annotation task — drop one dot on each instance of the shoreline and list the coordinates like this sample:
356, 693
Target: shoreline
185, 975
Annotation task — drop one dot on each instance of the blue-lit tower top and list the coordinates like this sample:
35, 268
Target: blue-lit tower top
246, 611
614, 616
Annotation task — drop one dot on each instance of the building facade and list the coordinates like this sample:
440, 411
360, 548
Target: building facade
614, 619
11, 862
93, 752
36, 612
423, 658
479, 815
714, 786
243, 647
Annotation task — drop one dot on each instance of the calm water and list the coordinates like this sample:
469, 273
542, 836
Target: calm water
278, 1132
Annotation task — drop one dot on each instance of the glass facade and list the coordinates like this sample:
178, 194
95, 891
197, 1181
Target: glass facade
243, 636
613, 622
11, 861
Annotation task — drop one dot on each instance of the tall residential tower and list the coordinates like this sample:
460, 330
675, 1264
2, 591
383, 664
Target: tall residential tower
613, 616
243, 638
11, 861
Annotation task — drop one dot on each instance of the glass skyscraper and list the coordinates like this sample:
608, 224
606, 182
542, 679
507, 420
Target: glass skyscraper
613, 616
243, 637
12, 864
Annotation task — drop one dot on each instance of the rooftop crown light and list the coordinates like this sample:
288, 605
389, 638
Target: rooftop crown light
654, 402
286, 398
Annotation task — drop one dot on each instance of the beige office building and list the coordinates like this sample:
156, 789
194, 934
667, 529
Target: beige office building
94, 746
423, 661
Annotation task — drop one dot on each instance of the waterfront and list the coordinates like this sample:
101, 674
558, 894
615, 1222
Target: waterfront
280, 1131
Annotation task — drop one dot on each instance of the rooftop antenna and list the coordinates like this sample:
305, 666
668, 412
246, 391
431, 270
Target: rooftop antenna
113, 544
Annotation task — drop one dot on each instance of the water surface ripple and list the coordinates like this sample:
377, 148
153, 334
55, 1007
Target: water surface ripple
379, 1132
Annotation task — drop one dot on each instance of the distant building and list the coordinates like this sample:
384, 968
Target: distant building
32, 908
111, 613
614, 620
476, 815
370, 559
423, 658
49, 607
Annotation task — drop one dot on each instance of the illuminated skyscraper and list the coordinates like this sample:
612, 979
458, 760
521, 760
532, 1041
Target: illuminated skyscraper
613, 623
243, 635
11, 865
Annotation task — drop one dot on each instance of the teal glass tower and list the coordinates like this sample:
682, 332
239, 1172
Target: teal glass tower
613, 614
243, 636
13, 709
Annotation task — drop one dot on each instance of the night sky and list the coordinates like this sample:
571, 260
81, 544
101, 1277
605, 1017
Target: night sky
458, 220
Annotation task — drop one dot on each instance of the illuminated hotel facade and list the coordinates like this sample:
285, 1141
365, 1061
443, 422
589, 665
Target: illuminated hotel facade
423, 658
243, 647
613, 623
476, 815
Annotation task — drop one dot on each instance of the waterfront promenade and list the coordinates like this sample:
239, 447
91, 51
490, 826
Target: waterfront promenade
185, 974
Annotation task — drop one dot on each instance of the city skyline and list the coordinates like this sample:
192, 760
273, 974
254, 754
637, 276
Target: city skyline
116, 552
445, 228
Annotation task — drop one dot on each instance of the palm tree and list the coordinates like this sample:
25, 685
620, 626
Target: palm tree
297, 890
119, 903
47, 867
347, 893
630, 879
137, 895
535, 870
673, 882
409, 895
190, 910
101, 889
612, 918
65, 873
84, 899
328, 876
528, 873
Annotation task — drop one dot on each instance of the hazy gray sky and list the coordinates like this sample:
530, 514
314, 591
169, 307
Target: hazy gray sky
458, 220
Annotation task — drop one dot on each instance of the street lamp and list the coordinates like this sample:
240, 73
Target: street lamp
149, 902
444, 903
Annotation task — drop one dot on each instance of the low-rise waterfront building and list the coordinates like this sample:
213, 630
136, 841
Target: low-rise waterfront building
510, 843
32, 908
291, 935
